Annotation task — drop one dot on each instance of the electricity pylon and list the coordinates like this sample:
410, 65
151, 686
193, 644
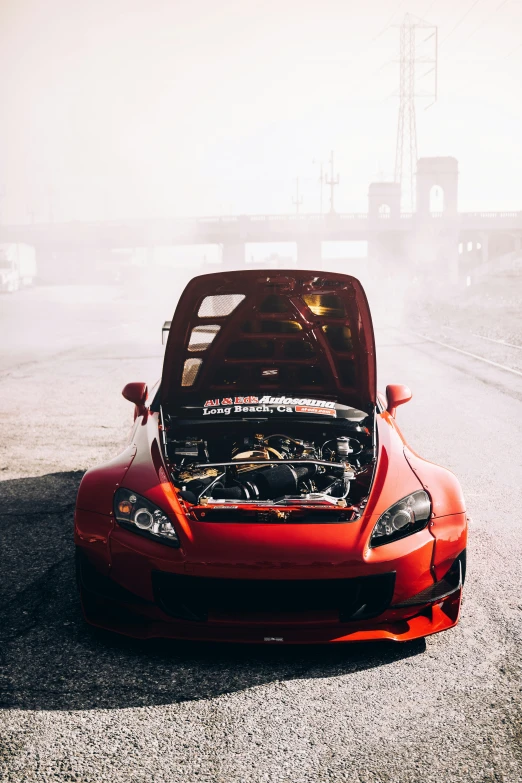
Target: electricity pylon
418, 44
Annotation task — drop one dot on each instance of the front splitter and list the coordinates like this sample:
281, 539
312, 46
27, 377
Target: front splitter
128, 622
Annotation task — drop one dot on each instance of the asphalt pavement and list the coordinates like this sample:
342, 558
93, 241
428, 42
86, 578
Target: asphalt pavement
80, 705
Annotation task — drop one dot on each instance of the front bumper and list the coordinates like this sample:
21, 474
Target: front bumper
144, 596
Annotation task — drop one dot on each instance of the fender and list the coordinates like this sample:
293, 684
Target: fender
440, 483
449, 524
99, 484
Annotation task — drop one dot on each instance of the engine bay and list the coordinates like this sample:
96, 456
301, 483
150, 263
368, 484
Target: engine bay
288, 463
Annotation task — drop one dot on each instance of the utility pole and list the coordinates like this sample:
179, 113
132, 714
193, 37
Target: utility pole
297, 201
321, 183
331, 182
413, 50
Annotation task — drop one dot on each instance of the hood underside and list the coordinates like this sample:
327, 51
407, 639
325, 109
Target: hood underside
303, 334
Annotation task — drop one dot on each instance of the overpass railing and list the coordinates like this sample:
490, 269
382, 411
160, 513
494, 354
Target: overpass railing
220, 228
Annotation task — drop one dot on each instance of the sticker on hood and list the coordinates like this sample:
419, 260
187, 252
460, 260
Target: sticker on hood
252, 403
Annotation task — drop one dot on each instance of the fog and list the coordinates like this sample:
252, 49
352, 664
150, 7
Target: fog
115, 109
121, 118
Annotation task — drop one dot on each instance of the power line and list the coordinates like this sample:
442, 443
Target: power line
428, 9
384, 29
487, 67
388, 23
459, 22
488, 17
517, 47
380, 68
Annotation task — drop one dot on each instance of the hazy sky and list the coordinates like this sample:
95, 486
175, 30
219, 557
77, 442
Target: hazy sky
114, 108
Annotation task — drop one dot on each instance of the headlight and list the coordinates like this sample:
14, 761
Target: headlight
402, 519
138, 514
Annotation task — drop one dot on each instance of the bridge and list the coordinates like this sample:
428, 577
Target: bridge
456, 240
222, 230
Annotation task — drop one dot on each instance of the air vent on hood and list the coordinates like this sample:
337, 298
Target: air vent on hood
202, 336
219, 306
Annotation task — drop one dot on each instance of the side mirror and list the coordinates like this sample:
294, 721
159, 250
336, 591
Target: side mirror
136, 393
397, 394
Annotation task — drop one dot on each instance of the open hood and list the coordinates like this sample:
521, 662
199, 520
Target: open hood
304, 335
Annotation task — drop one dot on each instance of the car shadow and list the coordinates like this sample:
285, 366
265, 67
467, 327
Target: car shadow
51, 660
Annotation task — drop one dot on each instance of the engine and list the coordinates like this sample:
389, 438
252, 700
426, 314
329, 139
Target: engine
329, 468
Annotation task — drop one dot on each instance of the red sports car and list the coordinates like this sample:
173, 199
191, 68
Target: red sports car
266, 493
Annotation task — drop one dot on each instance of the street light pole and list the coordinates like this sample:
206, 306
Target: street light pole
332, 182
297, 201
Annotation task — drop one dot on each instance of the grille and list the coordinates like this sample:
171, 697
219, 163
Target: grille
197, 598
